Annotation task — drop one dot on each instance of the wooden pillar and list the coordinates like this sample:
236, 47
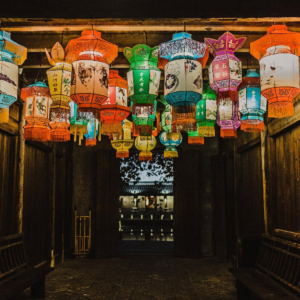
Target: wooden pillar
107, 208
21, 161
53, 205
263, 136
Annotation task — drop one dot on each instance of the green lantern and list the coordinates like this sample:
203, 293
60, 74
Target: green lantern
206, 112
166, 116
143, 76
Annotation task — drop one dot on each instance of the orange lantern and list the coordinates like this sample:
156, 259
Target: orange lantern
114, 110
91, 56
37, 107
278, 53
59, 79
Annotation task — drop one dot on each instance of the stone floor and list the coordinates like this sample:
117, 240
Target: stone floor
140, 277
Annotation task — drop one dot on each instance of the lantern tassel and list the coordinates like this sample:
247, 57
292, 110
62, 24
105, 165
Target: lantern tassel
252, 127
207, 131
280, 109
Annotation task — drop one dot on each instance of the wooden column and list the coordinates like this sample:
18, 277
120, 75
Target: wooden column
263, 136
107, 208
53, 205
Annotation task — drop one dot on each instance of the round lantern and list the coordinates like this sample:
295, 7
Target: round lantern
143, 76
145, 144
183, 59
92, 132
225, 71
11, 55
252, 104
91, 56
171, 141
37, 107
206, 113
228, 118
59, 79
143, 116
78, 125
195, 138
278, 53
114, 110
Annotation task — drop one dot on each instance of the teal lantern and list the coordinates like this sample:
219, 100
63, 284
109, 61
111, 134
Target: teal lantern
206, 113
78, 127
92, 132
11, 55
252, 105
171, 141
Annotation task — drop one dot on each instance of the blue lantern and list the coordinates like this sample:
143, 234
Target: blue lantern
252, 105
171, 141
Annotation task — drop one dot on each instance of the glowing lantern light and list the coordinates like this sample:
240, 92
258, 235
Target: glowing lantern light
123, 145
91, 56
143, 117
166, 116
195, 138
37, 107
183, 59
252, 104
11, 55
225, 71
145, 144
78, 126
114, 110
171, 141
59, 78
228, 118
206, 113
92, 132
278, 53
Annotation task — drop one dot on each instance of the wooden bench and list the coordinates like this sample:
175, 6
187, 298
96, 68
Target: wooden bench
15, 275
276, 274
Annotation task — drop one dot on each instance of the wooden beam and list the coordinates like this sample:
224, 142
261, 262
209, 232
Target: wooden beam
249, 145
295, 236
12, 127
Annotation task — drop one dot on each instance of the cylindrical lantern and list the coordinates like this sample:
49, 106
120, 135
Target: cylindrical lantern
59, 79
78, 125
195, 138
145, 144
37, 107
143, 116
228, 118
91, 56
11, 55
114, 110
183, 59
225, 71
166, 116
278, 53
92, 132
124, 144
252, 104
171, 140
206, 113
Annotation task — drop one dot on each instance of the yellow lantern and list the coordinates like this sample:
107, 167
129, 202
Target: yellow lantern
145, 144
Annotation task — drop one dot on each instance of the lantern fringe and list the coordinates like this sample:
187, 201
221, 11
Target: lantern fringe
145, 156
184, 126
143, 130
207, 131
196, 140
4, 115
111, 128
228, 133
170, 154
122, 154
60, 135
232, 95
78, 129
37, 134
90, 142
251, 126
280, 109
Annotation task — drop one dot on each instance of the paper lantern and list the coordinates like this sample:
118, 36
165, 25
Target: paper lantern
114, 110
195, 138
225, 71
59, 79
143, 117
252, 104
37, 107
143, 76
125, 143
166, 116
145, 144
206, 113
91, 56
278, 53
228, 118
11, 55
171, 140
78, 125
183, 59
92, 132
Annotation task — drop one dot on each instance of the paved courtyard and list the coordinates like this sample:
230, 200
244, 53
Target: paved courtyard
140, 277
